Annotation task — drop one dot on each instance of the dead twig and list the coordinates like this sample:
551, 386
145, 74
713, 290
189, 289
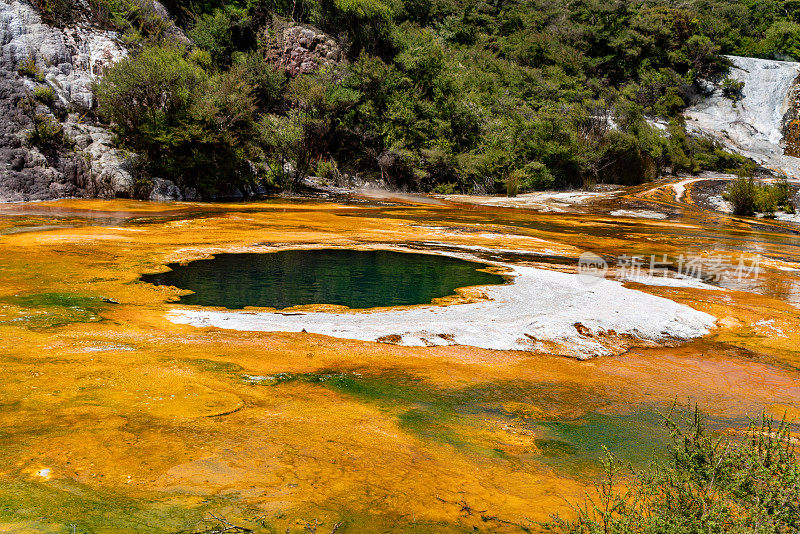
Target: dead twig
220, 526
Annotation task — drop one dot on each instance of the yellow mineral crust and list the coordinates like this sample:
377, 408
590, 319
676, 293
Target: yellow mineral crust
113, 413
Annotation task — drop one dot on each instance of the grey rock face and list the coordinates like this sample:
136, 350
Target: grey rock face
302, 49
171, 31
165, 191
753, 126
25, 172
68, 61
110, 174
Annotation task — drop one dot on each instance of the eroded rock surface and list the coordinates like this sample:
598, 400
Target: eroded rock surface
36, 56
754, 125
69, 59
26, 173
301, 49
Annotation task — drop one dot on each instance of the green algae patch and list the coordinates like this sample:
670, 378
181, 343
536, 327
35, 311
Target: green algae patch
423, 411
438, 425
505, 420
45, 310
66, 506
636, 438
389, 391
227, 369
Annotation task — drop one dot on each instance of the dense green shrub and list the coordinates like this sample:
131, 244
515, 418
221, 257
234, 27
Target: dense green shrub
536, 176
783, 40
45, 95
748, 197
772, 197
138, 20
266, 81
47, 133
741, 193
187, 124
732, 88
365, 24
711, 484
512, 183
222, 33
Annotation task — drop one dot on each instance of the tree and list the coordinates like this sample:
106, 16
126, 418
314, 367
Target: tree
194, 128
366, 24
147, 96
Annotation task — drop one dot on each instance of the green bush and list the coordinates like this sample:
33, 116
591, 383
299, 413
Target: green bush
45, 95
365, 24
512, 183
782, 39
328, 170
284, 139
711, 484
29, 69
47, 133
267, 81
137, 19
445, 189
748, 197
770, 198
222, 33
536, 176
187, 124
732, 88
741, 193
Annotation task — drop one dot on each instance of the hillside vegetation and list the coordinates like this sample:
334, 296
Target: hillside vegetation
442, 95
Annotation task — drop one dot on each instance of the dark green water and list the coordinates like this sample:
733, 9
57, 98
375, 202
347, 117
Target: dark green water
353, 278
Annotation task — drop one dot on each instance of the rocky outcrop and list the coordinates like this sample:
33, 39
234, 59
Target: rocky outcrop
26, 172
171, 31
791, 122
36, 58
68, 59
110, 167
164, 191
301, 49
39, 59
754, 125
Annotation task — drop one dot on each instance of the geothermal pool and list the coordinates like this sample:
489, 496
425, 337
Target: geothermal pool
352, 278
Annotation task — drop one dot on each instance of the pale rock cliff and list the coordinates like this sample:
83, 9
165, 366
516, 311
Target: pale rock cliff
754, 125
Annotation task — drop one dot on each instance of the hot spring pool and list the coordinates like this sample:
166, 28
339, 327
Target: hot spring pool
352, 278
